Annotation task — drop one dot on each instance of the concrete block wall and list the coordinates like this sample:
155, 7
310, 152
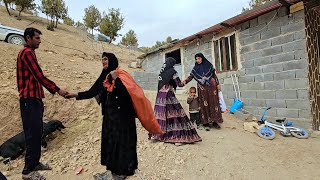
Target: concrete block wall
274, 67
153, 62
146, 80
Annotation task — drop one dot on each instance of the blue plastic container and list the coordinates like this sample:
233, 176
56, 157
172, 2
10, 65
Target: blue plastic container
237, 104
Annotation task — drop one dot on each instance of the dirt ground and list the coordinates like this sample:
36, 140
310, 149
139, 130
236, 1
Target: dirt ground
228, 153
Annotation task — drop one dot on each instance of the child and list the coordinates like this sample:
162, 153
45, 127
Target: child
193, 101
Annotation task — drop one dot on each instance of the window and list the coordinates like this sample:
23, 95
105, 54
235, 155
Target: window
176, 55
225, 54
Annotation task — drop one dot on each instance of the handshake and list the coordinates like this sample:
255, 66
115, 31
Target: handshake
66, 94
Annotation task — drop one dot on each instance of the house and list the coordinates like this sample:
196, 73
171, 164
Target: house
274, 50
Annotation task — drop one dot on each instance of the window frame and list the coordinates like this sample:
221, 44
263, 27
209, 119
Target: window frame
221, 38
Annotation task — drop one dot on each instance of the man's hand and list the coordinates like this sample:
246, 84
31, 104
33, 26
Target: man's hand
62, 92
114, 74
184, 83
71, 95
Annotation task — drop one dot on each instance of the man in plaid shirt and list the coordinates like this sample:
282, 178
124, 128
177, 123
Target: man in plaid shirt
30, 81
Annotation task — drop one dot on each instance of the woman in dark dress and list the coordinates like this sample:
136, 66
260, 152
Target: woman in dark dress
119, 136
208, 88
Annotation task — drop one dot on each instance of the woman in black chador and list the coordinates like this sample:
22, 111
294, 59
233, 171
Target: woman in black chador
119, 137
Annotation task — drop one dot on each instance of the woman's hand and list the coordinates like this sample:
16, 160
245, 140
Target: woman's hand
114, 74
219, 87
184, 83
71, 95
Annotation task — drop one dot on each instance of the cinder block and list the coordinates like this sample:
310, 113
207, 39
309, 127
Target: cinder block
285, 20
294, 46
301, 73
249, 94
297, 64
244, 33
250, 39
298, 104
299, 35
243, 86
246, 79
246, 49
257, 102
262, 61
282, 57
292, 27
276, 103
259, 78
283, 39
304, 114
284, 75
274, 85
271, 51
251, 55
300, 54
247, 64
254, 70
263, 77
262, 44
288, 113
272, 68
228, 87
303, 94
265, 18
286, 94
255, 86
299, 16
266, 94
257, 29
296, 83
268, 77
271, 33
252, 109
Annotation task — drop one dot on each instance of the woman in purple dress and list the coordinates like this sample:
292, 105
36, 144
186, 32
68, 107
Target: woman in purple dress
173, 120
208, 88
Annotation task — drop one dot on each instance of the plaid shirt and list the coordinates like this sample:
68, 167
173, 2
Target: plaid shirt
30, 78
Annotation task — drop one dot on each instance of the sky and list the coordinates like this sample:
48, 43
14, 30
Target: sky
155, 20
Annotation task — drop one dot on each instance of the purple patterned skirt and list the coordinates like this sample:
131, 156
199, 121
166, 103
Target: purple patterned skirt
173, 120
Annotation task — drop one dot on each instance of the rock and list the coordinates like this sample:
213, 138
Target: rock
251, 126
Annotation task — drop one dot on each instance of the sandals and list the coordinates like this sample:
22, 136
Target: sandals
42, 167
34, 175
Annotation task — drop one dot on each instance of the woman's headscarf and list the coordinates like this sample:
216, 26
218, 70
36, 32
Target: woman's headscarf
112, 61
112, 65
166, 73
203, 72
